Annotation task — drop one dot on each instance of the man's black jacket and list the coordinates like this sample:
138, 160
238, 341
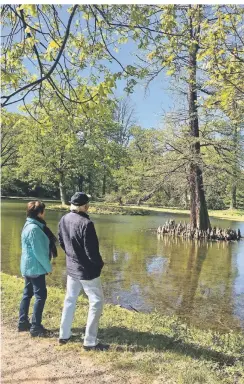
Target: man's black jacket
78, 238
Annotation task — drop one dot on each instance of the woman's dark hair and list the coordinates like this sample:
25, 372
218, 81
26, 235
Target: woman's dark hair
34, 208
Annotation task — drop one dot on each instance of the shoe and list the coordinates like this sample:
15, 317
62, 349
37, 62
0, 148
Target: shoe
63, 341
24, 327
98, 347
40, 332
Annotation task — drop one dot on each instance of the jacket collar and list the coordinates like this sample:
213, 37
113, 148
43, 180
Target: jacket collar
81, 214
30, 220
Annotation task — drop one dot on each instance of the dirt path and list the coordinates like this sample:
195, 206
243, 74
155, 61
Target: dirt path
39, 361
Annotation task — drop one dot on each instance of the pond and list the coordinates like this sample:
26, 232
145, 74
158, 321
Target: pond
203, 283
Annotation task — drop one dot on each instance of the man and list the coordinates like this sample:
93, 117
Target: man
77, 237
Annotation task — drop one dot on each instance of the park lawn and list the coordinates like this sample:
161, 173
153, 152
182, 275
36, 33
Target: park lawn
104, 209
109, 208
230, 214
115, 208
154, 346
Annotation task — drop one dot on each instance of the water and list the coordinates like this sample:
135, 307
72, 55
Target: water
203, 283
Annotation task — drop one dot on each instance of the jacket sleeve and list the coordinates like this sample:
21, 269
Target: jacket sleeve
91, 245
60, 237
40, 248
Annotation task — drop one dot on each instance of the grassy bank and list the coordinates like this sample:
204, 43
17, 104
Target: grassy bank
157, 347
113, 208
105, 208
229, 214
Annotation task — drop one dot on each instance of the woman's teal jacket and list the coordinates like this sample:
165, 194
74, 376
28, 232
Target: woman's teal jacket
35, 249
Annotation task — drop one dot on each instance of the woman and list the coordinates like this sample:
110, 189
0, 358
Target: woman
37, 242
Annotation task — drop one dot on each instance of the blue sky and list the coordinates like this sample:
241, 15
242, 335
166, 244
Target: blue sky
150, 106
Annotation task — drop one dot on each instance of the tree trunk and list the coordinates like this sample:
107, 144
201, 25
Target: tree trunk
199, 212
80, 183
151, 193
233, 204
89, 183
62, 190
146, 197
186, 199
233, 194
104, 183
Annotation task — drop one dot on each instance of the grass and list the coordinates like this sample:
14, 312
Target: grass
104, 209
156, 347
109, 208
231, 214
116, 209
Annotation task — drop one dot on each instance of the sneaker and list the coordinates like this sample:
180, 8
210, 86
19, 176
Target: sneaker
98, 347
40, 332
24, 327
63, 341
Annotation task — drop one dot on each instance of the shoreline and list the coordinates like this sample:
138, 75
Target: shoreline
116, 209
112, 209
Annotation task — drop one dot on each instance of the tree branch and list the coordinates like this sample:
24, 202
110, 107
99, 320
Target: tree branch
48, 75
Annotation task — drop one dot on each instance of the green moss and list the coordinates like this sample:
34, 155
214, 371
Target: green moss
152, 345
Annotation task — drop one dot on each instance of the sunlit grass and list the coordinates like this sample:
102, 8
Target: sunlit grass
109, 208
115, 208
103, 209
151, 345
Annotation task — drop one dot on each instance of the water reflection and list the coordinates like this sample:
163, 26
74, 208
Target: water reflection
200, 282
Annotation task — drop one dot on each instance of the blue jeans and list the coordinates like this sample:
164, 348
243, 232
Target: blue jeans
36, 286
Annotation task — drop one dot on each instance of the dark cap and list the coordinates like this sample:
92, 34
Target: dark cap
79, 198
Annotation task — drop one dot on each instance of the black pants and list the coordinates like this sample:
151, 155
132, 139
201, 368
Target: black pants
36, 286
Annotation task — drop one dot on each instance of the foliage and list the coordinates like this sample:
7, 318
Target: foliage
177, 38
14, 187
11, 125
42, 55
64, 148
82, 138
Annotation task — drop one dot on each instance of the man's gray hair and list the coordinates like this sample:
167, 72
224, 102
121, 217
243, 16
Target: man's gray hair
75, 207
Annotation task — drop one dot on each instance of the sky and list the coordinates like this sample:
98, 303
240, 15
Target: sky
149, 105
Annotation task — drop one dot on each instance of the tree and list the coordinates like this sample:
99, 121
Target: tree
191, 42
10, 138
177, 38
224, 57
224, 60
124, 116
64, 148
53, 153
47, 45
107, 145
139, 175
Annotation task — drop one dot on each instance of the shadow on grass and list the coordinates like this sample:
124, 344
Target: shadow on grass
125, 340
77, 334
